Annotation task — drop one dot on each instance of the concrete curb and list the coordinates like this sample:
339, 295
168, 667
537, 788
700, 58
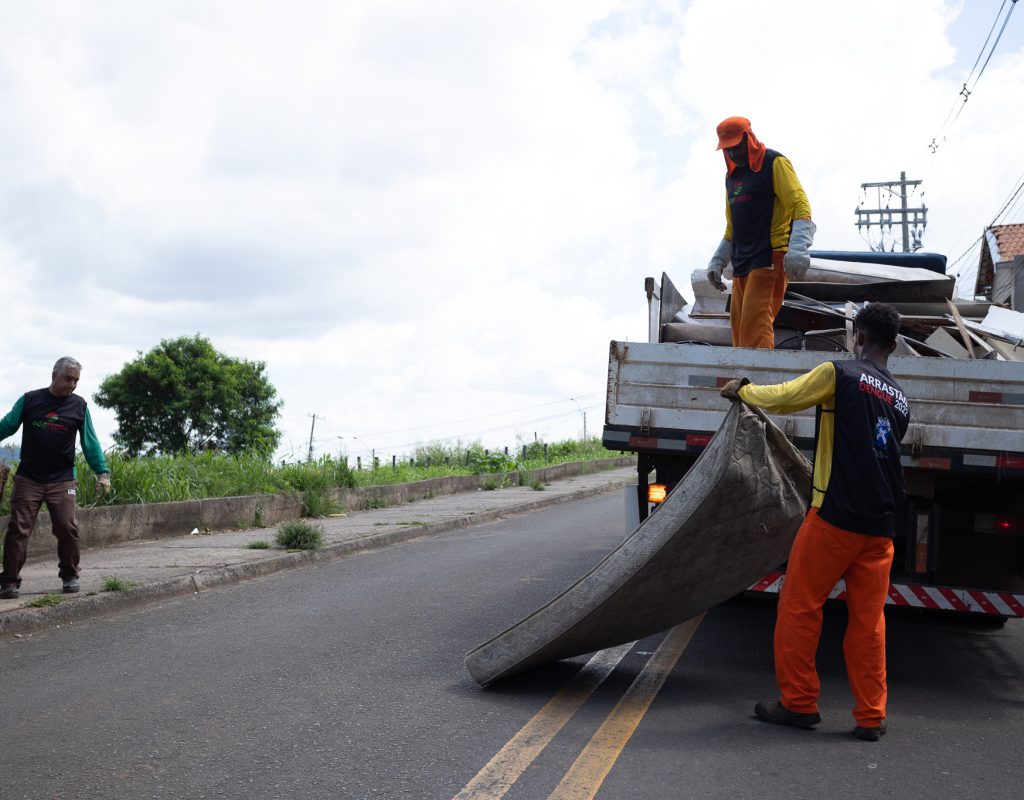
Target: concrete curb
26, 620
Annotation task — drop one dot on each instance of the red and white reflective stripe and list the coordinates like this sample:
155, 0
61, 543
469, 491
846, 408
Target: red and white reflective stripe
771, 583
972, 601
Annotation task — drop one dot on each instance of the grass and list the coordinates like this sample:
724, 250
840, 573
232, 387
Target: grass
300, 535
166, 478
161, 479
258, 544
46, 600
111, 583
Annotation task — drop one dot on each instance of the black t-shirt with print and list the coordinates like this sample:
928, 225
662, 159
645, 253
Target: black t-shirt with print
866, 489
49, 427
751, 199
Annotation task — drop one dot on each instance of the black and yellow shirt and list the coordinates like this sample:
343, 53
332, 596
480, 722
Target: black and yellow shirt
759, 211
864, 414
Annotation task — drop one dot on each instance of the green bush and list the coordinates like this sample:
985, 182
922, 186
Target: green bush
300, 535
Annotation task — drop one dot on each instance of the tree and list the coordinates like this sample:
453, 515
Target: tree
185, 396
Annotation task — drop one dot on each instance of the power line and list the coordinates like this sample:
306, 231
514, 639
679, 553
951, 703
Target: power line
1013, 197
966, 91
981, 206
470, 419
514, 425
1008, 206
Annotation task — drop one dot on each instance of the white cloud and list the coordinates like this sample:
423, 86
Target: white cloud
420, 215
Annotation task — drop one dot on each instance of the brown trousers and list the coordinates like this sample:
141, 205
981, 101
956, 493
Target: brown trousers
25, 501
756, 300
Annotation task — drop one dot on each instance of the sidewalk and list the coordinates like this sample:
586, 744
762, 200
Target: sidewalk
186, 565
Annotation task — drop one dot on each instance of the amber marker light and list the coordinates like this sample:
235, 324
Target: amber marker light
656, 492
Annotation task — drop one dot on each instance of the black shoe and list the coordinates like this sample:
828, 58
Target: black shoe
71, 585
8, 591
871, 734
780, 715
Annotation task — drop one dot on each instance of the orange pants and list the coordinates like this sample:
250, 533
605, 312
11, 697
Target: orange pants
821, 555
756, 300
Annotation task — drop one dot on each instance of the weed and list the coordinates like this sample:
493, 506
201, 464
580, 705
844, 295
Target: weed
377, 502
318, 504
112, 583
91, 594
258, 544
46, 600
490, 485
300, 535
257, 518
537, 485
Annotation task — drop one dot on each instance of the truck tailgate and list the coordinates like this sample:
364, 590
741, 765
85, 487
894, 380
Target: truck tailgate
954, 403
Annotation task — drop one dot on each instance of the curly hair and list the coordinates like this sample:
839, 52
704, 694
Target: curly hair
879, 322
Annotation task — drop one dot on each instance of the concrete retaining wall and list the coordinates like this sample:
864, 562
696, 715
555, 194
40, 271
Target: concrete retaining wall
108, 525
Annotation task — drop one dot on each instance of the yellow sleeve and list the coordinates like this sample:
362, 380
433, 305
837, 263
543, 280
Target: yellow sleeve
791, 202
728, 221
814, 388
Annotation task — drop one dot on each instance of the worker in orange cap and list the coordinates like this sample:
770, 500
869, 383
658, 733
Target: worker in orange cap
857, 499
768, 233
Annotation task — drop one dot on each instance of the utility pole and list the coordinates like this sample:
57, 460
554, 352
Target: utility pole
311, 427
913, 221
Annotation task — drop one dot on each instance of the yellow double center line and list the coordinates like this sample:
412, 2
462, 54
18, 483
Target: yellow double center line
588, 772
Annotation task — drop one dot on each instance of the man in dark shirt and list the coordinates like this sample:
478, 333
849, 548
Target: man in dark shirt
50, 419
857, 500
768, 233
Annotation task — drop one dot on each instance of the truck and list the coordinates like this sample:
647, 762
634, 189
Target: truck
959, 547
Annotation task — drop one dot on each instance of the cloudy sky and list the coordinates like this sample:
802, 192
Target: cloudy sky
429, 219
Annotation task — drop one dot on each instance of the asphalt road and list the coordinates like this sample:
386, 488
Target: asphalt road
345, 680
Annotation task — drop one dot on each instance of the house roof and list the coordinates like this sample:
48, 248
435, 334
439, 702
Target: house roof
1001, 243
1009, 242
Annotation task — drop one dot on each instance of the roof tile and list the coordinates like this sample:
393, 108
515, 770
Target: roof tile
1010, 240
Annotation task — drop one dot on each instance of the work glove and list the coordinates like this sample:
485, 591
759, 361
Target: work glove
719, 261
731, 390
798, 257
103, 484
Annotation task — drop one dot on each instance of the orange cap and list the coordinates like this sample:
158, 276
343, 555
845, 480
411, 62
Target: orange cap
730, 133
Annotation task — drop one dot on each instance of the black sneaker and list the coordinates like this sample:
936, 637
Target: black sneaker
780, 715
8, 591
71, 585
871, 734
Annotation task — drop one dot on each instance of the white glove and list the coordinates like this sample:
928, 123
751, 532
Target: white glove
103, 484
798, 257
719, 261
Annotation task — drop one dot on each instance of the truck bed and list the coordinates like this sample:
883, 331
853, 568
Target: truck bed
660, 394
